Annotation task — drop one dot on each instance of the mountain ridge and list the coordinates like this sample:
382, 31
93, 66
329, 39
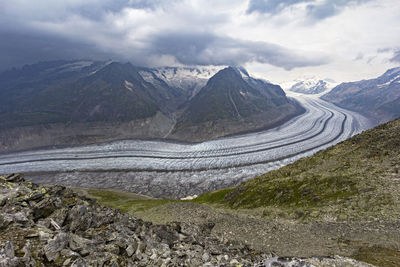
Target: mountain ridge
377, 98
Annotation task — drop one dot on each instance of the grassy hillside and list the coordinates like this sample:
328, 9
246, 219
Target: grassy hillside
358, 178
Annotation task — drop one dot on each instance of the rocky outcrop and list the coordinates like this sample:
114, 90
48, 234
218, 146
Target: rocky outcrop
52, 226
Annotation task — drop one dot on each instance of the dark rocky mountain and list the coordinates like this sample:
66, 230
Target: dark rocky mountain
79, 102
62, 93
376, 98
233, 102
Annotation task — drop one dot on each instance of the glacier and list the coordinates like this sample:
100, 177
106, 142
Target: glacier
176, 169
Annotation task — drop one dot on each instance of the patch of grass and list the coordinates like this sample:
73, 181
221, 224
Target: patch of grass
378, 256
142, 205
313, 190
125, 201
213, 197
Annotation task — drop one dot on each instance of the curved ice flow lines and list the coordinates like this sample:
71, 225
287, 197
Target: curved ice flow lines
322, 125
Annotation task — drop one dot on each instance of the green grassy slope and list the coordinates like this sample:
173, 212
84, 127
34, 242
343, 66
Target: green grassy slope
124, 201
358, 178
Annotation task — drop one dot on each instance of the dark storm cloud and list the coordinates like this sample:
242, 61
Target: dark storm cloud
330, 8
17, 49
95, 12
315, 10
185, 48
73, 30
209, 49
143, 4
271, 6
89, 8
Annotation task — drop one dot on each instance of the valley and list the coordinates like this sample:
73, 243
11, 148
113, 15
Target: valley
193, 133
177, 169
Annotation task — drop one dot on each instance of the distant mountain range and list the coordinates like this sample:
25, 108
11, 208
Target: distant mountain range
312, 86
378, 98
75, 102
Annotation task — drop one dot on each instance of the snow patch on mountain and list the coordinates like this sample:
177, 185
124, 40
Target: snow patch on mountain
243, 72
151, 78
102, 66
75, 66
392, 71
187, 79
148, 76
246, 76
129, 86
395, 79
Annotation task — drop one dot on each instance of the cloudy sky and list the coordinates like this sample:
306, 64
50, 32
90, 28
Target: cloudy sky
281, 41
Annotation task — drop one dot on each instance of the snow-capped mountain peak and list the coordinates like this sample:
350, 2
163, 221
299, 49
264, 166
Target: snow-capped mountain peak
176, 73
312, 85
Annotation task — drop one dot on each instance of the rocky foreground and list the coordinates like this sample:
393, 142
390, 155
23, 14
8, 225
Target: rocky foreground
53, 226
